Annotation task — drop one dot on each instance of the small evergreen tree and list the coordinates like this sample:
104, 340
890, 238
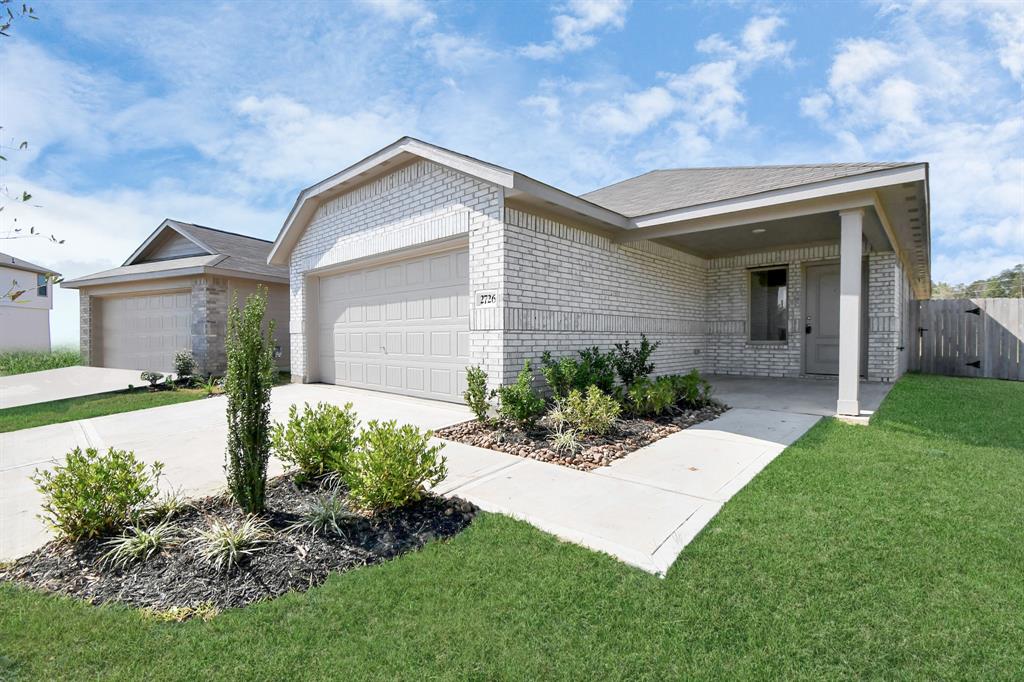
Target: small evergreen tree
249, 378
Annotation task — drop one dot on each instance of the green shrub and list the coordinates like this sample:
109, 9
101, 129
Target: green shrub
250, 376
139, 544
93, 494
318, 440
391, 464
691, 389
633, 363
519, 403
596, 369
225, 545
475, 394
595, 413
559, 374
184, 364
152, 377
648, 398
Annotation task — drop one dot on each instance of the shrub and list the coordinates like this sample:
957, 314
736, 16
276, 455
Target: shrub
224, 545
632, 363
519, 403
24, 361
691, 389
250, 376
596, 369
152, 377
476, 392
93, 494
139, 544
391, 464
651, 398
211, 386
595, 413
559, 374
318, 440
184, 364
327, 513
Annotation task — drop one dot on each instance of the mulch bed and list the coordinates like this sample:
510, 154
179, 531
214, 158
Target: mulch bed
596, 451
294, 560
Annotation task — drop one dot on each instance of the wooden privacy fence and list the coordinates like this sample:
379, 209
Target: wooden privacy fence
975, 337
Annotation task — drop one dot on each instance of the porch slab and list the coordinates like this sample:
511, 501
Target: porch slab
815, 396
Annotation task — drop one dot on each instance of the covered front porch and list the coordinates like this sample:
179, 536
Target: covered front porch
808, 288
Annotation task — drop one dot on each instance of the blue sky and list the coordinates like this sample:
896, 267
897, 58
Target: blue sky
219, 113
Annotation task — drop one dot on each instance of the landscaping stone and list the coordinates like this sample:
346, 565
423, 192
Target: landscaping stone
595, 451
292, 561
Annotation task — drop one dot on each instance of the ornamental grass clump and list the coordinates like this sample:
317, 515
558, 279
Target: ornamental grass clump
225, 545
93, 494
138, 544
391, 464
318, 440
250, 376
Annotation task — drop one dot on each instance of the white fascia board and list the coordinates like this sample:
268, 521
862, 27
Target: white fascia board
817, 190
134, 277
305, 203
570, 202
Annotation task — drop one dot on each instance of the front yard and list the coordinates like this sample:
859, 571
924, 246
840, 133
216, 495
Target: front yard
894, 550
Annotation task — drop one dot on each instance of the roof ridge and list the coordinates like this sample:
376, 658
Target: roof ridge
784, 165
214, 229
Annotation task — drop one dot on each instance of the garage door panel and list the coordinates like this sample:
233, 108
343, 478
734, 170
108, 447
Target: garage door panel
145, 332
406, 326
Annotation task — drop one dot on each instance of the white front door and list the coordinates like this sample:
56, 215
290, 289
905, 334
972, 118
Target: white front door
401, 327
821, 319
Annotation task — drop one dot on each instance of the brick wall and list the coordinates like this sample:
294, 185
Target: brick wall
209, 324
88, 344
567, 288
417, 204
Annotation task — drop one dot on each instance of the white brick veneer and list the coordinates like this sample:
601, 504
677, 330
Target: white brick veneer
567, 288
423, 202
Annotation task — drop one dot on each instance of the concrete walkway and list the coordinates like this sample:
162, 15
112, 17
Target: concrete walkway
815, 395
642, 510
66, 382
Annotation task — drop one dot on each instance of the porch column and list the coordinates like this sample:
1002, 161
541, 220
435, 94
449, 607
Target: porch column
851, 224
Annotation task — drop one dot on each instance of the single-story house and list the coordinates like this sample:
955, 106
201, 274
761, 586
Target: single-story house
418, 261
27, 299
172, 294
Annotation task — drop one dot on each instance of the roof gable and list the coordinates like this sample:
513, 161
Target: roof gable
170, 244
9, 261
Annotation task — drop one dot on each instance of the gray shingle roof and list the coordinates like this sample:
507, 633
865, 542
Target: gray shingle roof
19, 264
665, 190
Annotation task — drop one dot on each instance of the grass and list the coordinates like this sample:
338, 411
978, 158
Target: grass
891, 551
86, 407
24, 361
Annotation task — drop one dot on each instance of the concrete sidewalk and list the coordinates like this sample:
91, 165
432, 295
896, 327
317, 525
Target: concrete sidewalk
642, 510
65, 382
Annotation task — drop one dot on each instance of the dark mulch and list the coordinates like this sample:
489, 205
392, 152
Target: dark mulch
294, 560
596, 451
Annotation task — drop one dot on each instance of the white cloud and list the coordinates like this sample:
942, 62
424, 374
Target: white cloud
458, 52
417, 12
757, 43
1006, 25
574, 29
549, 105
635, 114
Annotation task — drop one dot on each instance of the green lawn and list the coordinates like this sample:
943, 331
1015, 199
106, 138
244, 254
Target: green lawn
86, 407
24, 361
892, 551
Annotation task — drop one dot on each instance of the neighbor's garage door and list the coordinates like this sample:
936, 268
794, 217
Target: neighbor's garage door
402, 327
144, 332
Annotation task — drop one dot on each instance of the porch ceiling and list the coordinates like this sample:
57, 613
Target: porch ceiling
801, 230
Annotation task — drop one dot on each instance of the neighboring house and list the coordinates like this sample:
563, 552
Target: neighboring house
418, 261
173, 294
26, 304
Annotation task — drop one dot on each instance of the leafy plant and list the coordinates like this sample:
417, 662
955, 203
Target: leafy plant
559, 374
250, 376
651, 398
167, 506
139, 544
691, 389
594, 413
633, 363
184, 364
211, 385
519, 403
475, 394
92, 494
225, 545
318, 440
566, 441
391, 464
596, 369
152, 377
327, 513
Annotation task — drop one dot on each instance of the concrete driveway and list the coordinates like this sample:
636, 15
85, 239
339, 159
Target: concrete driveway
66, 382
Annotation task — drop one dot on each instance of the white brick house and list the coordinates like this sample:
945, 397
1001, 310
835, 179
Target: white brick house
418, 261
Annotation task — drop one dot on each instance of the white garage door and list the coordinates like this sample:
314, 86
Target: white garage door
402, 327
144, 332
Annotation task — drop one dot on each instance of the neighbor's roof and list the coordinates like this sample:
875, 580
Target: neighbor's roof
10, 261
665, 190
227, 254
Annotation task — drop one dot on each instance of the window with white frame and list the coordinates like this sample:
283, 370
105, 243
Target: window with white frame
768, 305
42, 286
